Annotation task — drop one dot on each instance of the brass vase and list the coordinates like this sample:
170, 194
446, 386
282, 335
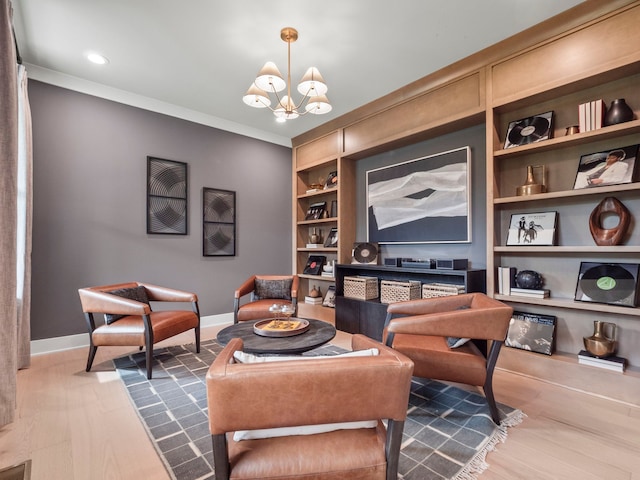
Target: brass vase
600, 344
531, 186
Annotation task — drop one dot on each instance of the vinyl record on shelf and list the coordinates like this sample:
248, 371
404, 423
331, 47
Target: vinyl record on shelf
614, 284
365, 253
529, 130
607, 283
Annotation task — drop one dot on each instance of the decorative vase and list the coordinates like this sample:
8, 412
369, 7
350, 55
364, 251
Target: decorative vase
619, 112
531, 186
600, 344
529, 279
314, 237
315, 292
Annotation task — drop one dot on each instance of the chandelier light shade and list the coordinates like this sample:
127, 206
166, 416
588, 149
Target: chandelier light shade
270, 82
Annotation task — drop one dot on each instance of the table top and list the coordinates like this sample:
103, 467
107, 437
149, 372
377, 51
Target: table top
318, 334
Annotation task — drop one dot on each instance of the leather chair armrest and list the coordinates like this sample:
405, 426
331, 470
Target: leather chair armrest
488, 323
164, 294
295, 285
246, 288
94, 301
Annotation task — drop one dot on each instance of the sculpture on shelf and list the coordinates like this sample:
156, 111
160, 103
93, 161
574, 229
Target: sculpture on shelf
619, 112
529, 279
614, 235
531, 187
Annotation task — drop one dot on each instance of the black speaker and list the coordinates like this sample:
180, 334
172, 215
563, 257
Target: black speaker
393, 262
452, 264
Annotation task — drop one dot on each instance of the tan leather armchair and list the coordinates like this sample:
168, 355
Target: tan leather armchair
420, 329
253, 396
129, 320
265, 290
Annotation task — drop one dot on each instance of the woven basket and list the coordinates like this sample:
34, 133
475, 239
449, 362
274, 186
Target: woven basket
392, 291
360, 287
430, 290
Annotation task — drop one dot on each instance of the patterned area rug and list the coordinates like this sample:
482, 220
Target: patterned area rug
447, 435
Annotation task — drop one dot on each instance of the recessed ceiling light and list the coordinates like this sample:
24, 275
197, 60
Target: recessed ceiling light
97, 58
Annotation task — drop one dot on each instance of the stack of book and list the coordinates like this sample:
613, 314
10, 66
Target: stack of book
313, 300
591, 115
617, 364
506, 279
530, 292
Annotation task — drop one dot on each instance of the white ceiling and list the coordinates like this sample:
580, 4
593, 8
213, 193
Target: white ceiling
194, 59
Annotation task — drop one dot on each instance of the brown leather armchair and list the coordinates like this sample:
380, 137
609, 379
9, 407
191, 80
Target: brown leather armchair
129, 320
298, 392
421, 329
265, 290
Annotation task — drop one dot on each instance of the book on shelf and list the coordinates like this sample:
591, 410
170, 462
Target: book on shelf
327, 274
530, 292
314, 245
313, 300
506, 279
617, 364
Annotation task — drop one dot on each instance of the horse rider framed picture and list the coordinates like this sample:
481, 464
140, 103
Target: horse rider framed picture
532, 229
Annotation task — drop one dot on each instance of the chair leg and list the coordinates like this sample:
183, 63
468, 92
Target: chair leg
493, 408
197, 329
92, 355
148, 334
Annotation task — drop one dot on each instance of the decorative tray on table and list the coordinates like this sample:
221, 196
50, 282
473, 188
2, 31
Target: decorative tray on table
281, 327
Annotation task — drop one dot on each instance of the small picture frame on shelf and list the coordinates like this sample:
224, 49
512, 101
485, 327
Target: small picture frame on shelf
314, 264
332, 238
529, 130
332, 180
532, 332
611, 167
330, 297
315, 211
532, 229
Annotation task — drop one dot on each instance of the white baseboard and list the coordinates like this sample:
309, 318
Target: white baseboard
58, 344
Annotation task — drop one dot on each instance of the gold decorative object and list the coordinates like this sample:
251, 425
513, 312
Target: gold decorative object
531, 186
600, 344
614, 235
572, 130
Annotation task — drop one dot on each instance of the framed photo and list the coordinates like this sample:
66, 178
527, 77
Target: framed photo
166, 196
332, 180
330, 297
529, 130
314, 264
610, 283
610, 167
426, 200
315, 211
332, 238
218, 222
532, 229
532, 331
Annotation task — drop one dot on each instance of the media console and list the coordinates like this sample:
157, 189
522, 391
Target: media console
367, 316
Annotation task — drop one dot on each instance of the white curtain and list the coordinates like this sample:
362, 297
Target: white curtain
15, 196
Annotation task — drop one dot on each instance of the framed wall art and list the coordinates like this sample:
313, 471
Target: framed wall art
532, 229
426, 200
529, 130
610, 167
166, 196
218, 222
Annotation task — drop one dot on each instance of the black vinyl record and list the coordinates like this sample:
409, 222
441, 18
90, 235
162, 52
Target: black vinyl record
529, 130
607, 283
365, 253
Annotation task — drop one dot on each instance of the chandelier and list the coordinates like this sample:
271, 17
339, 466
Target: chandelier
270, 81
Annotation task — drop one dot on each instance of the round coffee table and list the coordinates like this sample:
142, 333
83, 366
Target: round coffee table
318, 334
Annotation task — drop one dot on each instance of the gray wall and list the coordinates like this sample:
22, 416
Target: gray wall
90, 205
475, 251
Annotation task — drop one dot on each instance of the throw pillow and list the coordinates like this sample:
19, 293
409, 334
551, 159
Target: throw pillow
273, 288
243, 357
139, 294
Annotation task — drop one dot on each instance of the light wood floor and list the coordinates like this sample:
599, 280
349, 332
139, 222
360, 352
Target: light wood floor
81, 426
